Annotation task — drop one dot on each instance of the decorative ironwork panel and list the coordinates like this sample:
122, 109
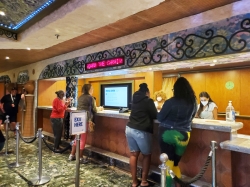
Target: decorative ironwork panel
5, 79
8, 34
23, 77
224, 37
72, 90
62, 69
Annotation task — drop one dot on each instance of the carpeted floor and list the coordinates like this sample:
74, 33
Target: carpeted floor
57, 167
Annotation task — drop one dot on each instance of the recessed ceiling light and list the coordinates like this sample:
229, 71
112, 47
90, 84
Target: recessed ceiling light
28, 48
212, 64
7, 57
2, 13
214, 61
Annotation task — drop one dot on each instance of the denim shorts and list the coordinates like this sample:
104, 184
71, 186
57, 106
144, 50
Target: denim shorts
139, 140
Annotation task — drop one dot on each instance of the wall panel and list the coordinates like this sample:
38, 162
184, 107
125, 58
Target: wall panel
214, 84
47, 89
197, 81
244, 96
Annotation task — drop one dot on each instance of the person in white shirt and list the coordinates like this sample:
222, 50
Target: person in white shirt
207, 109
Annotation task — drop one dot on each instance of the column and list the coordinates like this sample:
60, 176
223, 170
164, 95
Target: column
71, 90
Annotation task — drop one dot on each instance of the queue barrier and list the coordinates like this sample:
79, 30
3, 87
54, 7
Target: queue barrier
185, 183
17, 163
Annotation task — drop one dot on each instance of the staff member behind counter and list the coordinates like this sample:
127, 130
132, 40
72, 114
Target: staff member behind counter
207, 109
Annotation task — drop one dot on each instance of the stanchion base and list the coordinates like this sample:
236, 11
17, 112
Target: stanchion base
16, 165
43, 180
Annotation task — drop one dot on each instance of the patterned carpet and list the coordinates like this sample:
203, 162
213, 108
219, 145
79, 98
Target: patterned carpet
57, 167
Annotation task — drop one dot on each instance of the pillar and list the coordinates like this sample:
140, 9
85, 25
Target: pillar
71, 90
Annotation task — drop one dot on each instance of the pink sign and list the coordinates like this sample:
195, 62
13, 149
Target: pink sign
105, 63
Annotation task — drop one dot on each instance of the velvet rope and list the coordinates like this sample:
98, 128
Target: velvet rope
53, 150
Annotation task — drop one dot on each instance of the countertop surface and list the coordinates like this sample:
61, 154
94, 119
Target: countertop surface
240, 143
216, 125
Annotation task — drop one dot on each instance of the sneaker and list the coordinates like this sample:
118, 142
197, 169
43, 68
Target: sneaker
83, 161
72, 157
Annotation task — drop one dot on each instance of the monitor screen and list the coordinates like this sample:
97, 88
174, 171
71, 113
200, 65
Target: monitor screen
116, 95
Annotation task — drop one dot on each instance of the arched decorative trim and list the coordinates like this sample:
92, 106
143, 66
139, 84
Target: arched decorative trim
5, 79
23, 77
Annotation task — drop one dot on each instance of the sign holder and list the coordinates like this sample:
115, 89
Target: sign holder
78, 122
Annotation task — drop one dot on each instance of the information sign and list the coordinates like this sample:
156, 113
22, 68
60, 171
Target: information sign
78, 121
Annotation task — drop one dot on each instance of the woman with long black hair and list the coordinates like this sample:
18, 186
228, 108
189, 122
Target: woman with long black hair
175, 120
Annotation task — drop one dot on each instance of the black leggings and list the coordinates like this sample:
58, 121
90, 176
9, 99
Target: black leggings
57, 126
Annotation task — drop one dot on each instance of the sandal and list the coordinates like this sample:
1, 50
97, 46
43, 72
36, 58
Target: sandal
136, 185
145, 182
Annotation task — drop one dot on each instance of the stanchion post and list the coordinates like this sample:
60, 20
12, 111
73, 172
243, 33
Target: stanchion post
163, 167
213, 147
6, 134
22, 120
17, 163
40, 179
77, 180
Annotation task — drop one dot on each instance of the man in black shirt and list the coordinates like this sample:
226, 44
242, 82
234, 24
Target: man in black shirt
9, 107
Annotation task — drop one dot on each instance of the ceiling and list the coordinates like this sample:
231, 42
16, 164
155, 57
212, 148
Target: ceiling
65, 26
19, 15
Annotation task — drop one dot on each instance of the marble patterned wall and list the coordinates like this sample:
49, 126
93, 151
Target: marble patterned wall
227, 36
72, 90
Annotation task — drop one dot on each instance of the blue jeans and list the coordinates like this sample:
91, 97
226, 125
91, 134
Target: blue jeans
139, 141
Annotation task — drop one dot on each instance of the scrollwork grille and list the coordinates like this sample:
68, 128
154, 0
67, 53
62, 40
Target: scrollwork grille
168, 48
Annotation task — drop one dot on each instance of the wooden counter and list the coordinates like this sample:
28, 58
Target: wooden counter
109, 135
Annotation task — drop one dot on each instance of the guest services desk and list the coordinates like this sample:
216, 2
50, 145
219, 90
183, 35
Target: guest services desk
109, 135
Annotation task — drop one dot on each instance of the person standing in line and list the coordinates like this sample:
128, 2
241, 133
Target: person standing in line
139, 132
207, 109
57, 115
9, 106
85, 102
175, 120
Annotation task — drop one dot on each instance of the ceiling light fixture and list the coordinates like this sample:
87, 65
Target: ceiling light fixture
7, 57
28, 48
2, 13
